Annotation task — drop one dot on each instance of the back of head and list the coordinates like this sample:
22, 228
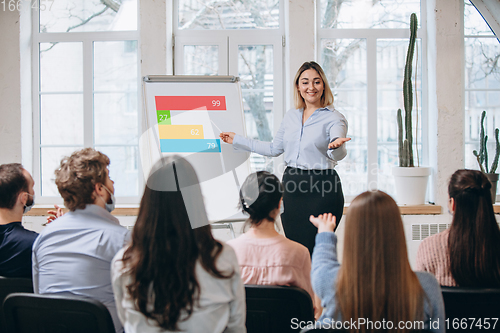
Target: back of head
77, 176
326, 99
165, 247
260, 194
375, 280
12, 183
474, 239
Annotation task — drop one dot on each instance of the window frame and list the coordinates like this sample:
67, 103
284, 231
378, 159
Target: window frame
371, 36
228, 41
87, 39
467, 90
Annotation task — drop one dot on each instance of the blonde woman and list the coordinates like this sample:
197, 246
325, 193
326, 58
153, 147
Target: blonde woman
375, 282
312, 138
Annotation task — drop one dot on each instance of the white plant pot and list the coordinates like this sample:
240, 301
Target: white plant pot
411, 184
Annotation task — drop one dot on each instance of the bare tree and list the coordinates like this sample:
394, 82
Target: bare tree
113, 5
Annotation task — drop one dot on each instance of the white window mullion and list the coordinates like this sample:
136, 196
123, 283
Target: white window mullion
220, 41
372, 160
88, 93
37, 170
94, 35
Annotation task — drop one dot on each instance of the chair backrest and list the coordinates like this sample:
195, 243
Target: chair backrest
271, 309
32, 313
467, 309
9, 286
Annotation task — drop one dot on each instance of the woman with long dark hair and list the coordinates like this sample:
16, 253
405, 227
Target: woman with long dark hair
312, 138
468, 253
173, 277
375, 282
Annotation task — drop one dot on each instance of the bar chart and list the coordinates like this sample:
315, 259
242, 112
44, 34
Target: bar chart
182, 121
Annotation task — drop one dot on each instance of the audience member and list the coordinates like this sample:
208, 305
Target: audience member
72, 255
174, 277
17, 196
265, 256
375, 282
468, 253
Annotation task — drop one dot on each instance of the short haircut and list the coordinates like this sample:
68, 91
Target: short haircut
12, 182
77, 176
326, 98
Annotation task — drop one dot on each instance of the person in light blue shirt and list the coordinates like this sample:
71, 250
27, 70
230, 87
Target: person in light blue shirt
312, 138
374, 289
72, 256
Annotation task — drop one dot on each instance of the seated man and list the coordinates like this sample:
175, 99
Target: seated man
72, 255
16, 198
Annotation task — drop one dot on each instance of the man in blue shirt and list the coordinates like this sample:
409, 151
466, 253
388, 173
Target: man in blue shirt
16, 197
72, 255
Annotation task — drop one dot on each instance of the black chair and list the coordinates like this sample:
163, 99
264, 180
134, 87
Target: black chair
271, 309
462, 304
32, 313
9, 286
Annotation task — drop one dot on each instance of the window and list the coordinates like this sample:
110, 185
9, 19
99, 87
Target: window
85, 92
243, 39
482, 84
362, 48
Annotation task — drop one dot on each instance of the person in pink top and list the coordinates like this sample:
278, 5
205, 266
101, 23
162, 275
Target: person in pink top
468, 253
265, 256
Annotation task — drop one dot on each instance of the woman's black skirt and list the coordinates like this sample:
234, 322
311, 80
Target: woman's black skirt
309, 192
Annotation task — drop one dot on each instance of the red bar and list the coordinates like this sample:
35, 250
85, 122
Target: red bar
174, 103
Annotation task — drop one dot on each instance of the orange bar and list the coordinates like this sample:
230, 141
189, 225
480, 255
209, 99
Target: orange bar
181, 131
185, 103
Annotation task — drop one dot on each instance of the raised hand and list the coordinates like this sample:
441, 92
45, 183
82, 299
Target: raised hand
338, 142
324, 222
54, 214
227, 137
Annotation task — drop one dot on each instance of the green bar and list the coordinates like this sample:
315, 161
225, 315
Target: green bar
163, 117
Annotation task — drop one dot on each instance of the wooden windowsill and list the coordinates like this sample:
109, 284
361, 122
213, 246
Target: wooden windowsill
119, 211
132, 211
414, 210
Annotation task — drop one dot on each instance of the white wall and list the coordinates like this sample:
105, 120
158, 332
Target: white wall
445, 55
10, 88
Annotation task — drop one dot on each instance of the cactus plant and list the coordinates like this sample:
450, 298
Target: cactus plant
482, 156
405, 146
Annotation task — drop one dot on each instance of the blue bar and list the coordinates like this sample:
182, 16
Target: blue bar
190, 145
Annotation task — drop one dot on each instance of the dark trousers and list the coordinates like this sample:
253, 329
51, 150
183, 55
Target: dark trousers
309, 192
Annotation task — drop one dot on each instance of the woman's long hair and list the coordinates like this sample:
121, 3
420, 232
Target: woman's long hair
164, 250
474, 239
375, 280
